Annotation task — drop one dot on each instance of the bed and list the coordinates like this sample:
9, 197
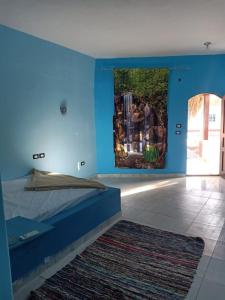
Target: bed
71, 213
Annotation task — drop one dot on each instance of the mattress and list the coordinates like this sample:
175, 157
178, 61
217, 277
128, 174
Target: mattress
40, 205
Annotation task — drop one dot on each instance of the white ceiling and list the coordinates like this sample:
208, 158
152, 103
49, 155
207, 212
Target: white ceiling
122, 28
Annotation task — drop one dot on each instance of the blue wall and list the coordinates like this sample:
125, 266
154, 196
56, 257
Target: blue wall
36, 76
198, 74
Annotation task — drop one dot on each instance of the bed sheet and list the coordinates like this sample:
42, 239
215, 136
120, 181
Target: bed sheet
40, 205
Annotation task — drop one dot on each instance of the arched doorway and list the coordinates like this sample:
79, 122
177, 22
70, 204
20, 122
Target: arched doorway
203, 135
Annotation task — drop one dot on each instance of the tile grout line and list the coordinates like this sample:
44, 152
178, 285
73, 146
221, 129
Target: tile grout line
201, 208
207, 266
197, 215
203, 277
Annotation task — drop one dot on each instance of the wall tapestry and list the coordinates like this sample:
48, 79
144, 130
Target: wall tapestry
140, 118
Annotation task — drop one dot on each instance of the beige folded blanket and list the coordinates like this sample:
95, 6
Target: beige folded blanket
43, 181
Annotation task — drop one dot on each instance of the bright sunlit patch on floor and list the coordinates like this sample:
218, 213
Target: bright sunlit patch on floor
148, 187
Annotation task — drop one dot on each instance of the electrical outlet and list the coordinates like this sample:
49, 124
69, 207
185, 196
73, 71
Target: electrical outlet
47, 259
42, 155
82, 163
178, 132
38, 155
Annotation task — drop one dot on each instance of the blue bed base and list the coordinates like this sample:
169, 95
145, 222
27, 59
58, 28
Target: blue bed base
69, 226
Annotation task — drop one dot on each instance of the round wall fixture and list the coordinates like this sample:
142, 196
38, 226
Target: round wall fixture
63, 108
207, 44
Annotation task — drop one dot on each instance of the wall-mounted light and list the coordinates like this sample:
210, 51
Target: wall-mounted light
63, 108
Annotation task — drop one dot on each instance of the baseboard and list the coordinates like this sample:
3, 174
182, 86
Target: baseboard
150, 176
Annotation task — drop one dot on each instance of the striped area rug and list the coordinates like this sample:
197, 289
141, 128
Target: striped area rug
130, 261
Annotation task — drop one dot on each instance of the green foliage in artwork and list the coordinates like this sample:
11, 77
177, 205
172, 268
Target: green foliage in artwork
152, 84
151, 154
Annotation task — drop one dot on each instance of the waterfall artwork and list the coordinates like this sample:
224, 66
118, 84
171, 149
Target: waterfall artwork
140, 118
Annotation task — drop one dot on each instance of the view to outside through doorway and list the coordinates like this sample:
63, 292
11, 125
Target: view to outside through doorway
203, 136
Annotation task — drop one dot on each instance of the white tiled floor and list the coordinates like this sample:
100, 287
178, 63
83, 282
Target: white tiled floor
188, 205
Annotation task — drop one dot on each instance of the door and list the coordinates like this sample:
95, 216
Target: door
222, 135
204, 135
